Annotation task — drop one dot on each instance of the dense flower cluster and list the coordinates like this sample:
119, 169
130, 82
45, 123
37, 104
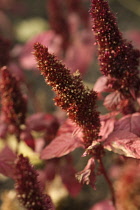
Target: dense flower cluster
27, 186
118, 59
72, 96
4, 51
13, 103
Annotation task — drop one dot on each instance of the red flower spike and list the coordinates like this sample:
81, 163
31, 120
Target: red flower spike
27, 187
4, 51
117, 57
7, 159
71, 95
12, 100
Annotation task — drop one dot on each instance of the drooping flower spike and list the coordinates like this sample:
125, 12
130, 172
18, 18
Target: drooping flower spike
27, 186
71, 95
117, 57
13, 102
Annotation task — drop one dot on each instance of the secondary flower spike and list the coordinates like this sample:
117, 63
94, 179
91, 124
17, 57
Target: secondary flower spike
27, 187
13, 102
118, 59
71, 95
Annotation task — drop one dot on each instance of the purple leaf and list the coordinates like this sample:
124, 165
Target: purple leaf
101, 85
67, 173
68, 127
129, 123
7, 158
51, 169
48, 38
87, 176
27, 137
107, 124
60, 146
113, 100
80, 54
124, 143
42, 121
64, 142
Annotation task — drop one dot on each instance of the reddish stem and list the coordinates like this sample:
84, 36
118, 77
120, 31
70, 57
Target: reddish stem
108, 181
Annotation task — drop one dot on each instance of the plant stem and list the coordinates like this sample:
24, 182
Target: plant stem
108, 181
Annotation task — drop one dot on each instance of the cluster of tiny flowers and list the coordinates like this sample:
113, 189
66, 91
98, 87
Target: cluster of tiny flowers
118, 59
4, 51
13, 103
27, 187
71, 95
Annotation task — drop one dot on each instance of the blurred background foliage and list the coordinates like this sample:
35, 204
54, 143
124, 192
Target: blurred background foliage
20, 20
